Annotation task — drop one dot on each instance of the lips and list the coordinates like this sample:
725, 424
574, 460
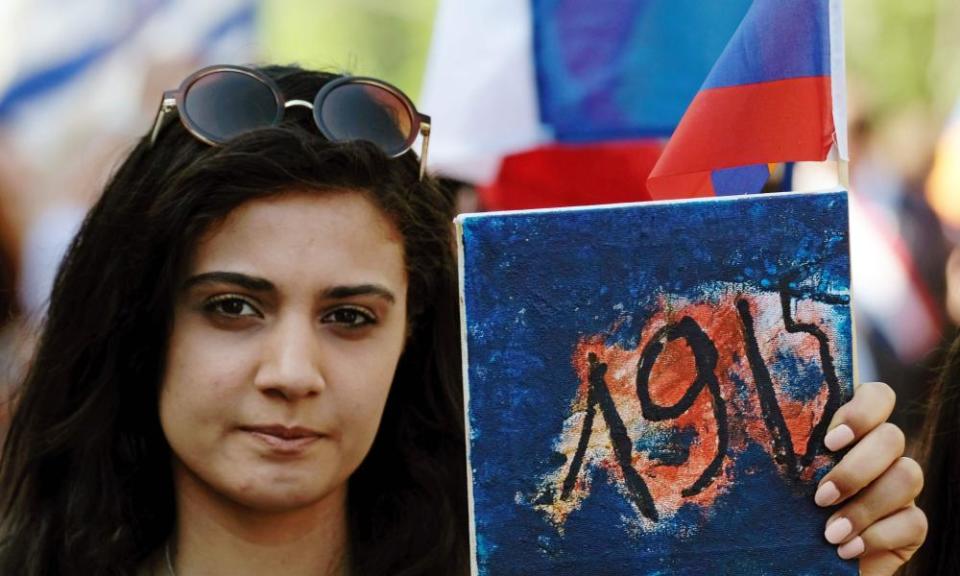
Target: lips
284, 439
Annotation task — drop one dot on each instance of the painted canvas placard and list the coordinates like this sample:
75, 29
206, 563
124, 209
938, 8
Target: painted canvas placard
648, 385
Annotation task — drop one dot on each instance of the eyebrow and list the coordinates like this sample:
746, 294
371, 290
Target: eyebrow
341, 292
251, 283
257, 284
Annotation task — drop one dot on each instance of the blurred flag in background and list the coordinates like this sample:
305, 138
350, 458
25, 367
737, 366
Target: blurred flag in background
83, 65
560, 102
80, 82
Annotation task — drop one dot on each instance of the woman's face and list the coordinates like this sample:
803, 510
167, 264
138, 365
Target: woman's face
287, 332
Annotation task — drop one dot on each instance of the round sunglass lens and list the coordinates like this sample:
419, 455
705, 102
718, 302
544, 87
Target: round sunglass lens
224, 104
367, 112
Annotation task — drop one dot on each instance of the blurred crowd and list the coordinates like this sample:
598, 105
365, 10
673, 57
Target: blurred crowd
903, 237
71, 103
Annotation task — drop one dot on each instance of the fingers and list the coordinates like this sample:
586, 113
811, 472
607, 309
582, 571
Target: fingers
893, 491
871, 405
887, 544
863, 464
878, 521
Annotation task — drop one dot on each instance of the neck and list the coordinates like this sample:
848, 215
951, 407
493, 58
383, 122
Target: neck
218, 536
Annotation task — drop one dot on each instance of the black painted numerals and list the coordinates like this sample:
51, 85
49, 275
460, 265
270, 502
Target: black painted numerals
706, 359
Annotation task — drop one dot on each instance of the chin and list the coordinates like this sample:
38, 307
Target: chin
276, 502
262, 487
286, 494
272, 499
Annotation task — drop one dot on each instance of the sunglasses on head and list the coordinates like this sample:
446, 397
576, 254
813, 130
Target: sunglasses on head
218, 103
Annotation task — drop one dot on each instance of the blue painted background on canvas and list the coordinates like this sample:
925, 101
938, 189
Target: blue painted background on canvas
550, 296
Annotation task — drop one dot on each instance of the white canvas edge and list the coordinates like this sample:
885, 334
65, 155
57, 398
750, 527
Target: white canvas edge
471, 517
854, 359
466, 216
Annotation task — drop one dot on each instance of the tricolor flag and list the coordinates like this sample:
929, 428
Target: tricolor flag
775, 94
560, 102
557, 102
83, 82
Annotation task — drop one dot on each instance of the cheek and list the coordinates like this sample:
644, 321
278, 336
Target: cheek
364, 402
366, 372
196, 394
199, 381
365, 407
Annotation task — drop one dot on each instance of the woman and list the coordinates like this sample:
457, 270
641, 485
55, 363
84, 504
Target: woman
250, 360
941, 496
313, 271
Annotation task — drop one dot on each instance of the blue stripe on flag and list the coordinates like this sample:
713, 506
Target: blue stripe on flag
244, 16
625, 69
740, 180
778, 40
52, 77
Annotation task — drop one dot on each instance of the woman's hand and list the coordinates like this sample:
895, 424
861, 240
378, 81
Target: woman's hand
874, 485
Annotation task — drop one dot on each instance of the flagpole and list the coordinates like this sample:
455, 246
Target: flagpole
838, 80
843, 173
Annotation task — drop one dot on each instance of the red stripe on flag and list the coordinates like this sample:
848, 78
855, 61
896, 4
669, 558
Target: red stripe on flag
786, 120
572, 175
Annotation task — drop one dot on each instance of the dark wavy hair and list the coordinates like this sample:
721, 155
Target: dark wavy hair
85, 477
940, 499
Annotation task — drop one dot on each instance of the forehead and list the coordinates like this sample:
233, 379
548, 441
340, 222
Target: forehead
336, 234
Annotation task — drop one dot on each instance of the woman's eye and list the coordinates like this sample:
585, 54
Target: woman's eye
350, 317
232, 306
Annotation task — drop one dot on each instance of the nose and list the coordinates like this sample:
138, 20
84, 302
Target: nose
290, 366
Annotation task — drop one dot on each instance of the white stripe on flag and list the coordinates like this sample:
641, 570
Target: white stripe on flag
480, 87
107, 95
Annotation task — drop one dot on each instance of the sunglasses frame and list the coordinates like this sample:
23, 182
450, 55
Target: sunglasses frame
174, 101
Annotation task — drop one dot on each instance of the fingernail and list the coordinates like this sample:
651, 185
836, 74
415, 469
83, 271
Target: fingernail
838, 530
851, 549
839, 437
826, 494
